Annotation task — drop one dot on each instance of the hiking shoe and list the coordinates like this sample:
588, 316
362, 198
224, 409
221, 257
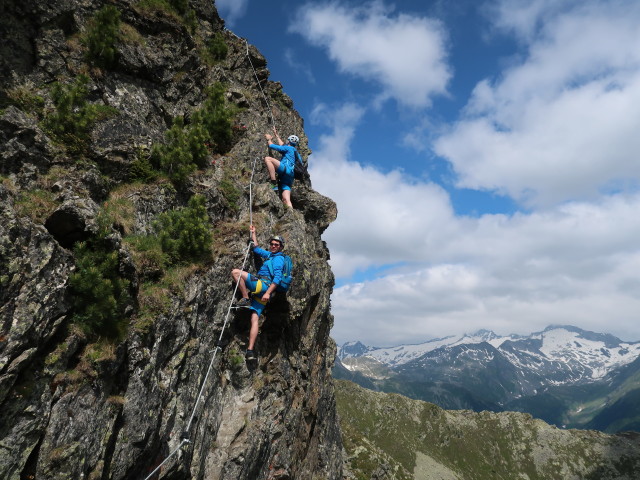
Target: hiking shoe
243, 302
250, 355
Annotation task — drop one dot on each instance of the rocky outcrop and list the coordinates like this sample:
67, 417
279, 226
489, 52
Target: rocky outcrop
77, 405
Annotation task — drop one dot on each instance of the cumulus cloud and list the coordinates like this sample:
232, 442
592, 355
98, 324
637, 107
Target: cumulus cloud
557, 132
512, 274
524, 18
382, 217
231, 10
405, 54
573, 263
563, 123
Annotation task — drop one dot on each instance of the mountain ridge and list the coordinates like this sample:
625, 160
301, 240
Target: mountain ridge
549, 345
563, 374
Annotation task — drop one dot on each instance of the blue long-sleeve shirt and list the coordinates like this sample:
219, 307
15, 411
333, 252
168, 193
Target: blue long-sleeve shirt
277, 260
288, 154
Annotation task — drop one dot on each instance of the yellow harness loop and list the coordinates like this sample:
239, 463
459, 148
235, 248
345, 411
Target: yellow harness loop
255, 295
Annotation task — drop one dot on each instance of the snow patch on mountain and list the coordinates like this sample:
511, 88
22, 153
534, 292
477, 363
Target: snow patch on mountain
570, 346
393, 356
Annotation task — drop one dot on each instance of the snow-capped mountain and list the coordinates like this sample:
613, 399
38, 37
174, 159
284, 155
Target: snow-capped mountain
563, 374
588, 355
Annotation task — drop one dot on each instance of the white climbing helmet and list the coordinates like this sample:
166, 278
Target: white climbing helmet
293, 139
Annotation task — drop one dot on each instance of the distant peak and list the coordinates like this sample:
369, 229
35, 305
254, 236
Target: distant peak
569, 328
352, 349
609, 340
484, 333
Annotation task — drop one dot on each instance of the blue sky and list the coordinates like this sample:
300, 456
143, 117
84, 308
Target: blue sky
483, 156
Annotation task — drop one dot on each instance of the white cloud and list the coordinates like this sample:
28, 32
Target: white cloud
382, 218
525, 17
563, 124
574, 263
518, 274
557, 131
231, 10
405, 54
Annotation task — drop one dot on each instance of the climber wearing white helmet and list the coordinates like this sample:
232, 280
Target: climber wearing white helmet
283, 167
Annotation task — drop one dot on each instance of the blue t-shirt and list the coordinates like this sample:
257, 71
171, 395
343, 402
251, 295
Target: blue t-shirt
277, 262
288, 155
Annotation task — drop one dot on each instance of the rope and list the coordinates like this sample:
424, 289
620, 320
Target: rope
250, 194
224, 326
255, 74
168, 458
185, 433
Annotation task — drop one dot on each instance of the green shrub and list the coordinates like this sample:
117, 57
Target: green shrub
236, 358
148, 256
102, 36
216, 49
71, 121
181, 6
189, 16
157, 6
216, 117
187, 147
231, 193
185, 233
177, 9
184, 151
141, 169
99, 293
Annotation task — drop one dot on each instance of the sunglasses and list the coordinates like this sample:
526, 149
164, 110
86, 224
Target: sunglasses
274, 244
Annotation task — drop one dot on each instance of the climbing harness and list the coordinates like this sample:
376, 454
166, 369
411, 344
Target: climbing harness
219, 344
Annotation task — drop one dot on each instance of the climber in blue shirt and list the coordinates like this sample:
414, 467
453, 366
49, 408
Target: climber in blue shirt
260, 286
283, 167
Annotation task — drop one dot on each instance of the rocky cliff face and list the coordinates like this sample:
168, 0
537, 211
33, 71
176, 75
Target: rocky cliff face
77, 399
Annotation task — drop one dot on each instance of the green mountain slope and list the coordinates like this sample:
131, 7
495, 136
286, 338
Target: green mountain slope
624, 414
610, 405
388, 436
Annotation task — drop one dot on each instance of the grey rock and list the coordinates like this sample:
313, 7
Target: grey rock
74, 221
26, 151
